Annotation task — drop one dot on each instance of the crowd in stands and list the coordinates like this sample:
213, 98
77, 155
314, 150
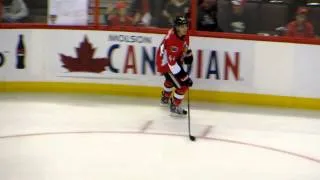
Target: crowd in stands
145, 12
296, 18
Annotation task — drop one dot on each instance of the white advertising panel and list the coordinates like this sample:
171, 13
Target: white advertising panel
273, 71
306, 81
102, 57
4, 53
222, 64
129, 58
22, 62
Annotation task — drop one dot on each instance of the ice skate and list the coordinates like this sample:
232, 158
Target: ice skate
177, 110
164, 100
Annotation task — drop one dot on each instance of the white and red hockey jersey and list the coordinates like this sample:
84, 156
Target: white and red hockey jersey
171, 52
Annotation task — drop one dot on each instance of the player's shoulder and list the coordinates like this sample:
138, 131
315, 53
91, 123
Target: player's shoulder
188, 33
170, 34
172, 38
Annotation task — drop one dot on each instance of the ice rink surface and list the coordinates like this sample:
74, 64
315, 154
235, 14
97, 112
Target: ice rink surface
96, 137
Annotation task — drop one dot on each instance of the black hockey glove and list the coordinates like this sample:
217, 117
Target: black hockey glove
188, 59
188, 82
184, 78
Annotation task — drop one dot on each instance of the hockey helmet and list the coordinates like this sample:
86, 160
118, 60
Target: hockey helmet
180, 20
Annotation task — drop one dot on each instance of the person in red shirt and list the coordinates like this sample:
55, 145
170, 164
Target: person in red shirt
172, 54
120, 19
301, 27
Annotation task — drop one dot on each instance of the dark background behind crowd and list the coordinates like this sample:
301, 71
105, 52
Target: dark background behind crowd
299, 18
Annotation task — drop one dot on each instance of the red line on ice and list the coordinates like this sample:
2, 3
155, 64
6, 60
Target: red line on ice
309, 158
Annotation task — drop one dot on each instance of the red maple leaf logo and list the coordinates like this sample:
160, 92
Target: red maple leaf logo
84, 62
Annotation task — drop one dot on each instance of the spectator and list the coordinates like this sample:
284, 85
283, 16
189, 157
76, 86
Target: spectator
293, 7
141, 14
301, 27
173, 9
207, 16
121, 18
156, 11
16, 12
109, 13
237, 23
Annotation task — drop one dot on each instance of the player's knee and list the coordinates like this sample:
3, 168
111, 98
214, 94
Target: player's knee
182, 90
168, 84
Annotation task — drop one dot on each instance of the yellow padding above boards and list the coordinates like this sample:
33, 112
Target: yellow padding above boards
144, 91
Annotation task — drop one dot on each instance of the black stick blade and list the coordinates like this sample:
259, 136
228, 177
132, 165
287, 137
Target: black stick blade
192, 138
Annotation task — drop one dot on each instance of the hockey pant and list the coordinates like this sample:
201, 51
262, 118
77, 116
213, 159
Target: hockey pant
170, 83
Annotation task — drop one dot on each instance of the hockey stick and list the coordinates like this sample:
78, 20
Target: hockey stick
192, 138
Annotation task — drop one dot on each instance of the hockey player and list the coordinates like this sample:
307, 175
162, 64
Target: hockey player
172, 54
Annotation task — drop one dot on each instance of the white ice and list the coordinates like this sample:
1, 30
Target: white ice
95, 137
